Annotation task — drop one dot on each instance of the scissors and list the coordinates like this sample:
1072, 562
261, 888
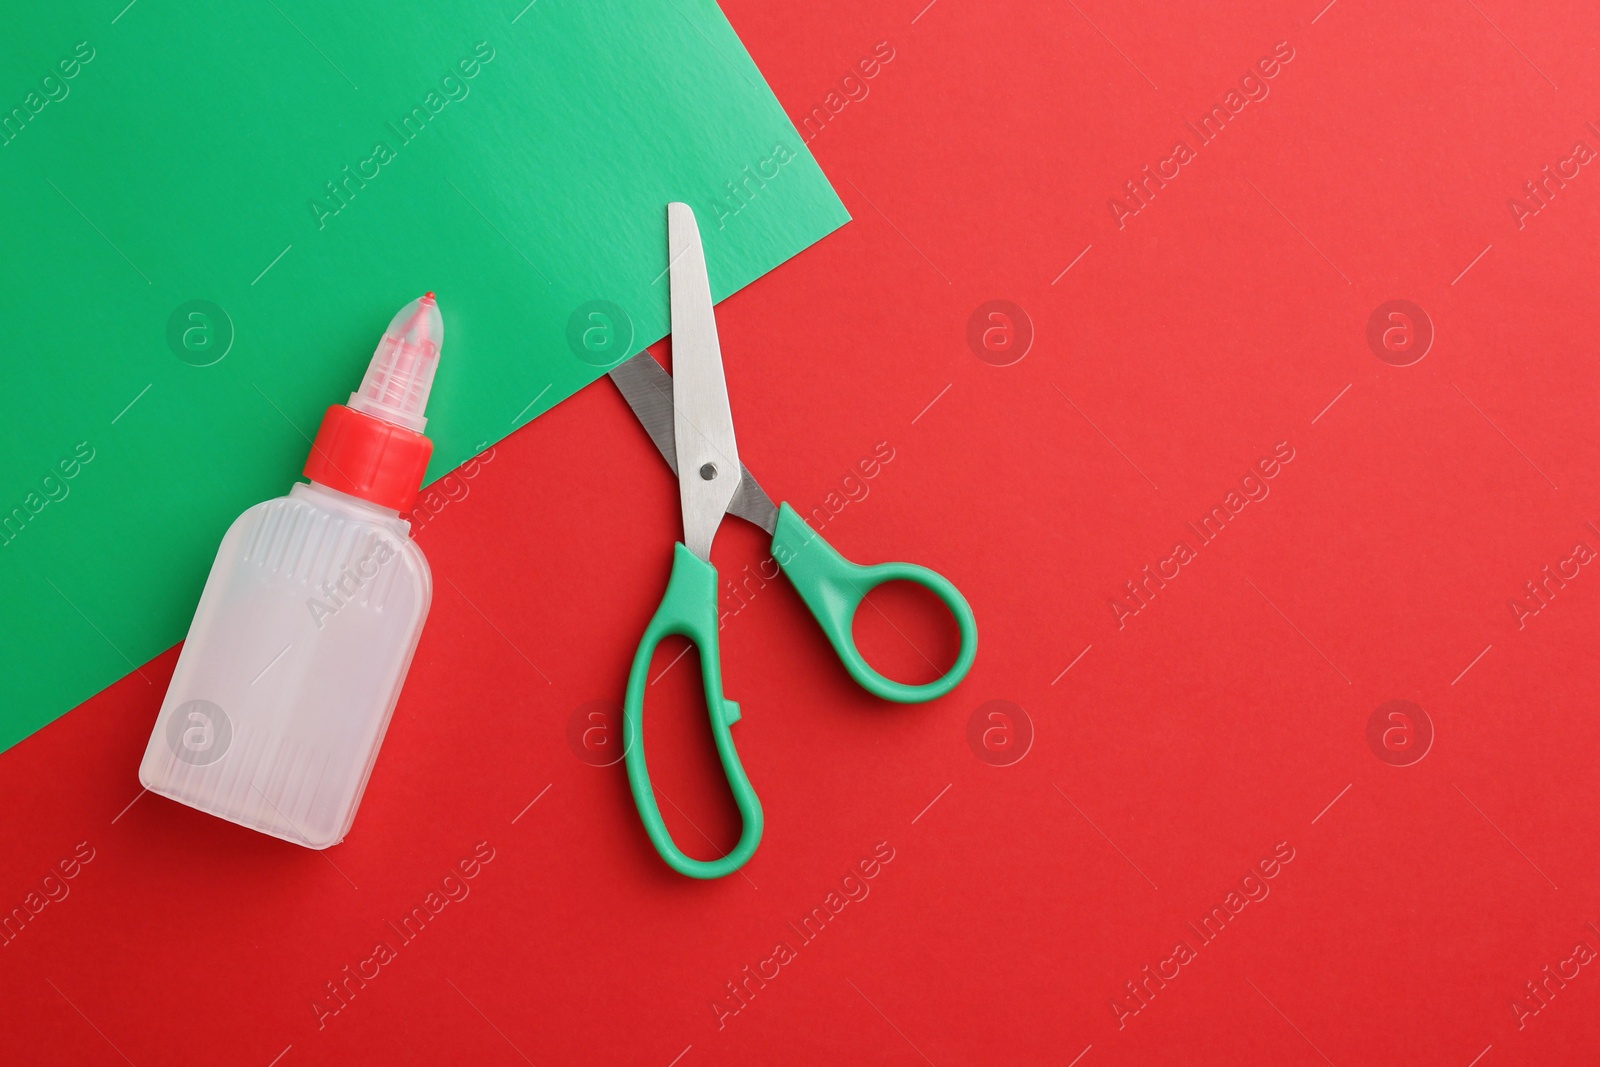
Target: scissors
687, 415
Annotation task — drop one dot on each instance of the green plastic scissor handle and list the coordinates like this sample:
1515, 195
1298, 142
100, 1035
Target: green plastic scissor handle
688, 609
833, 588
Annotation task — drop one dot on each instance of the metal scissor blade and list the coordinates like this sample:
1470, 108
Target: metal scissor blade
703, 441
647, 388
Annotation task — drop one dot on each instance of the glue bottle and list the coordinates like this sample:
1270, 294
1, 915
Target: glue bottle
309, 619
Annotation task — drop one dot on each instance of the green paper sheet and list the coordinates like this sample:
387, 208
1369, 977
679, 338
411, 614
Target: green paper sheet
212, 211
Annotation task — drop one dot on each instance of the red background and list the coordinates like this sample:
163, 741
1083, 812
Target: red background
1177, 752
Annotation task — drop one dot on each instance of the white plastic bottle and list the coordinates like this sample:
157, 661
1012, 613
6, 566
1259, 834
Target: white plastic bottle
309, 619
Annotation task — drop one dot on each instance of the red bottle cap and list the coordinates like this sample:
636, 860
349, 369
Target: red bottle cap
368, 458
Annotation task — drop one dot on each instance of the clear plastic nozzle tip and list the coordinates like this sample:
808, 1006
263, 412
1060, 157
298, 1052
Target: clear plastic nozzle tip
401, 373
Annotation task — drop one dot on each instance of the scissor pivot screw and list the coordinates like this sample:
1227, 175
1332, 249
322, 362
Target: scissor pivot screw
708, 471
